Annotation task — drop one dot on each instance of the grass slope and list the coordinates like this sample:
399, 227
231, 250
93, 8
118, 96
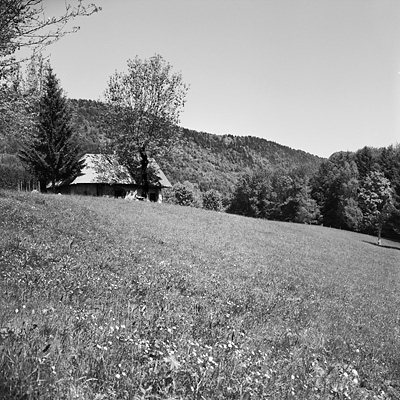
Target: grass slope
109, 299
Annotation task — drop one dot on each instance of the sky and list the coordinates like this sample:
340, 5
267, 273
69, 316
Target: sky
317, 75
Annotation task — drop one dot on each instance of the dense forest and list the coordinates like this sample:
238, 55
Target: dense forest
357, 191
255, 177
207, 160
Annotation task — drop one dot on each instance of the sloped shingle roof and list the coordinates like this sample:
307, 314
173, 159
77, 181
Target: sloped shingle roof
104, 168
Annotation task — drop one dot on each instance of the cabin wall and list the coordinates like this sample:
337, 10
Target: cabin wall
100, 189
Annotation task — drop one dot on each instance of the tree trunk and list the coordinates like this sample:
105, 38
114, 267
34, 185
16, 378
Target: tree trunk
42, 186
145, 178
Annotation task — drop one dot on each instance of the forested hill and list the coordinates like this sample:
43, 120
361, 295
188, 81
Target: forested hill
215, 162
209, 160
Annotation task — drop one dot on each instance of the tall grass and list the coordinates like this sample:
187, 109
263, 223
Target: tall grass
107, 299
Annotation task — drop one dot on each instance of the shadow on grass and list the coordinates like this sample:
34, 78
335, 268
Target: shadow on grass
382, 245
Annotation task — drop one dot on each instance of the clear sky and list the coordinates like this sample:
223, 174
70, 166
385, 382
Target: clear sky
316, 75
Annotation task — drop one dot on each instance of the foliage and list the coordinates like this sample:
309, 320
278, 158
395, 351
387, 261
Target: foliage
212, 200
89, 121
184, 194
351, 214
19, 100
24, 23
101, 298
212, 161
307, 210
146, 102
341, 190
275, 195
250, 197
376, 200
218, 161
335, 187
13, 173
52, 153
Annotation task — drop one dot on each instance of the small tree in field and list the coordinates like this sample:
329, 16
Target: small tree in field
52, 153
376, 200
146, 103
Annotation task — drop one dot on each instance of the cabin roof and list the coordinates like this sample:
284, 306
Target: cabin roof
104, 168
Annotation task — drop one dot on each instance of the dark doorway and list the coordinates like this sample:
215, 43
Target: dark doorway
119, 193
153, 196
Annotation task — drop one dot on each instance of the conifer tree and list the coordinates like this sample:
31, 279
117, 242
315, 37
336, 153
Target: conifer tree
52, 153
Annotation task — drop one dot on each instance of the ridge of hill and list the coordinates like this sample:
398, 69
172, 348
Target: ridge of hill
209, 160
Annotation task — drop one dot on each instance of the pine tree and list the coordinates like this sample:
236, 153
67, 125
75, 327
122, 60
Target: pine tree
52, 154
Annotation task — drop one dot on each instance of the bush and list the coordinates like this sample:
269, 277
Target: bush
184, 194
212, 200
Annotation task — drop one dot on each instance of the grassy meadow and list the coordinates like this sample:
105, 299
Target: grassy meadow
110, 299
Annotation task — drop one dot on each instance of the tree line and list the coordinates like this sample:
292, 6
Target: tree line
357, 191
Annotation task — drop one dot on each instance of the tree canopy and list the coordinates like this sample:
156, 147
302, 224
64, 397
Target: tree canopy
146, 102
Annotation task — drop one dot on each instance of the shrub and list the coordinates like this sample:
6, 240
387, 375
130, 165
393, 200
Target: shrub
184, 194
212, 200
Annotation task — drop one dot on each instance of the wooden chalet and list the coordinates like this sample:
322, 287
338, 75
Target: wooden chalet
102, 175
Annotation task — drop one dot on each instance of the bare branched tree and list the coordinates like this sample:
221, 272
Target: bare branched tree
24, 23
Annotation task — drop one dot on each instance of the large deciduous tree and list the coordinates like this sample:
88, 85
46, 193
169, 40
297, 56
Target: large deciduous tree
376, 200
251, 196
146, 102
51, 153
25, 23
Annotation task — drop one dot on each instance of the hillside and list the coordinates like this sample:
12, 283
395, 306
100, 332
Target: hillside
105, 298
211, 161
